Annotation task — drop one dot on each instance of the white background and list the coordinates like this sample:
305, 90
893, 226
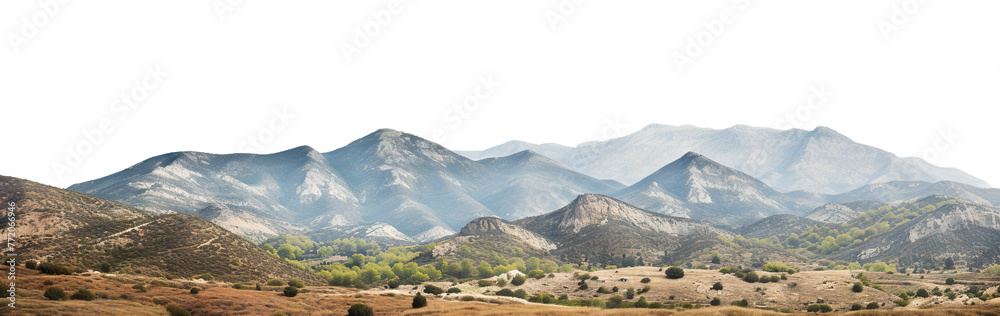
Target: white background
608, 61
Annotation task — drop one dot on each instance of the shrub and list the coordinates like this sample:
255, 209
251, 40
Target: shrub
856, 307
485, 283
675, 272
872, 305
778, 267
104, 267
614, 302
360, 310
740, 303
641, 303
238, 286
275, 282
902, 302
819, 308
949, 281
584, 276
139, 287
583, 286
175, 310
52, 268
258, 287
614, 289
505, 292
55, 293
296, 283
501, 282
454, 290
432, 289
951, 295
751, 277
291, 291
644, 289
645, 280
629, 294
717, 286
922, 293
83, 295
603, 290
536, 274
31, 264
715, 302
542, 297
419, 301
518, 280
593, 278
48, 282
858, 287
195, 290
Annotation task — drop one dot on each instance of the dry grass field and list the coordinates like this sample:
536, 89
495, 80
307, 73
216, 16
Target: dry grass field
118, 297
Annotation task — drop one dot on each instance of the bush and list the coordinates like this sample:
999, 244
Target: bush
751, 277
31, 264
641, 303
505, 292
238, 286
717, 286
645, 280
614, 289
432, 289
501, 282
593, 278
949, 281
536, 274
104, 267
139, 287
419, 301
485, 283
715, 302
675, 272
175, 310
614, 302
258, 287
83, 295
55, 269
291, 291
603, 290
48, 282
195, 290
778, 267
630, 294
518, 280
922, 293
902, 302
360, 310
542, 297
858, 287
454, 290
275, 282
819, 308
740, 303
55, 293
872, 305
296, 283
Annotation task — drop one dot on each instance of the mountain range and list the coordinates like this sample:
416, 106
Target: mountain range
402, 189
821, 160
418, 188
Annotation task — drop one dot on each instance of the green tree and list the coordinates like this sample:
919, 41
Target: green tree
518, 280
419, 301
675, 272
792, 241
484, 269
949, 264
536, 274
858, 287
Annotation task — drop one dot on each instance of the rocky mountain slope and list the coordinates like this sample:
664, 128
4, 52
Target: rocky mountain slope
82, 231
820, 160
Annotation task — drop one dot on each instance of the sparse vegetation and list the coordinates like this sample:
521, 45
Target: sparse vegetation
819, 308
175, 310
55, 269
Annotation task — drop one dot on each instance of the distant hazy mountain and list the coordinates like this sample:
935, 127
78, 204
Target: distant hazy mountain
820, 160
697, 187
908, 190
79, 230
417, 187
554, 151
